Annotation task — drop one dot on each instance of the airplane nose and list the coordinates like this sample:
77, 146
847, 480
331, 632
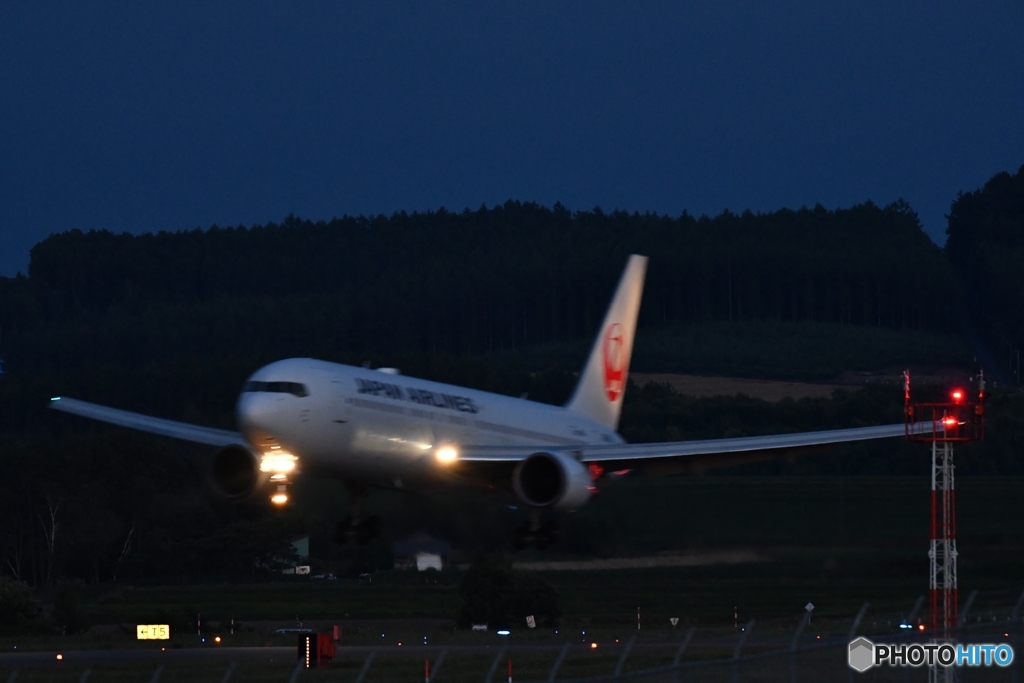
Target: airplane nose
255, 412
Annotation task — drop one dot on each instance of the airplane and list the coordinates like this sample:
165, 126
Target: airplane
380, 429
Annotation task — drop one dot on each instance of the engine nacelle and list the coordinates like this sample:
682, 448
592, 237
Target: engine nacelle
235, 471
552, 480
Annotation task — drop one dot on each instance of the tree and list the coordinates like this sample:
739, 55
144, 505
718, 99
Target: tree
986, 245
50, 525
17, 608
65, 609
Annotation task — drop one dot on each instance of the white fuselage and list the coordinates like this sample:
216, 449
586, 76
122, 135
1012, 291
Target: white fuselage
385, 429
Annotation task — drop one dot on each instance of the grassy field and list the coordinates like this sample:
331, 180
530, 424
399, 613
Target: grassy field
835, 542
825, 512
767, 349
409, 605
634, 517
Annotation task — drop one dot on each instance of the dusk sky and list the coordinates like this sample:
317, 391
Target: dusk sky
168, 116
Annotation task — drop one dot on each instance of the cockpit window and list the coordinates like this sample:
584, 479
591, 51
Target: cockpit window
294, 388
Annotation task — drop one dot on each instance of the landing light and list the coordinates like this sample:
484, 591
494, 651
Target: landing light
278, 462
446, 455
279, 498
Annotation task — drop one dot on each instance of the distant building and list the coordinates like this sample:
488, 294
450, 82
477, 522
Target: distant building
421, 552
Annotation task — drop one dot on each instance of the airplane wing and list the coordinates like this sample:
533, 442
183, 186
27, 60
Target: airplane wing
145, 423
695, 456
649, 458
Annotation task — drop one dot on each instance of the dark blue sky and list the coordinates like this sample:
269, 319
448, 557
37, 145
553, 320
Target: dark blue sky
140, 117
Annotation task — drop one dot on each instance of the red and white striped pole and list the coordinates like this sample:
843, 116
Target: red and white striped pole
942, 554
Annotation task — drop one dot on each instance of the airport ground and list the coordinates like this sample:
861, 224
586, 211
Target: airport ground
759, 547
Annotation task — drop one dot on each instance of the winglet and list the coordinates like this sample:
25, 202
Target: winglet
602, 383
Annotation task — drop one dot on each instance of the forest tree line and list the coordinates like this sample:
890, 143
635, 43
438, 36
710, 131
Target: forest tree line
462, 283
985, 243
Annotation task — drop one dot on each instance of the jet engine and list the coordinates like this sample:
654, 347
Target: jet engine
552, 480
235, 471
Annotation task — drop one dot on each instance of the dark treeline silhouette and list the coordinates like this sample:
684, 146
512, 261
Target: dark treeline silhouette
986, 245
462, 283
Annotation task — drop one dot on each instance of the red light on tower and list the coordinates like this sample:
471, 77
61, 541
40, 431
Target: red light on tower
958, 395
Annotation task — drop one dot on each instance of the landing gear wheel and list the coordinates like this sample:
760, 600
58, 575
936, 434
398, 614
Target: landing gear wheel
344, 531
354, 527
540, 537
362, 533
546, 535
521, 537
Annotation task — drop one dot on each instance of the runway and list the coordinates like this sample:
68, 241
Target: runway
77, 658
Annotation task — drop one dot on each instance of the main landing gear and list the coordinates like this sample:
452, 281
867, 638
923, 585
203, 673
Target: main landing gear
535, 532
354, 527
361, 531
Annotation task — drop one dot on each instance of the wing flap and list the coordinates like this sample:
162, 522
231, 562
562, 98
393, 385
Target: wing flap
147, 423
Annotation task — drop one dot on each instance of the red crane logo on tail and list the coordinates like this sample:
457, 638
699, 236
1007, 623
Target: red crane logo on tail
614, 353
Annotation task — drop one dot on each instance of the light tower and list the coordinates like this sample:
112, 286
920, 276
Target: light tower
944, 424
942, 553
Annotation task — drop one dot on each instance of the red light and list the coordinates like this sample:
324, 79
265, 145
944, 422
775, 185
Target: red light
596, 470
949, 421
958, 395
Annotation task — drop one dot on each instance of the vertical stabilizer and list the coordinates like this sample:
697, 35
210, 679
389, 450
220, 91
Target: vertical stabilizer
598, 394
